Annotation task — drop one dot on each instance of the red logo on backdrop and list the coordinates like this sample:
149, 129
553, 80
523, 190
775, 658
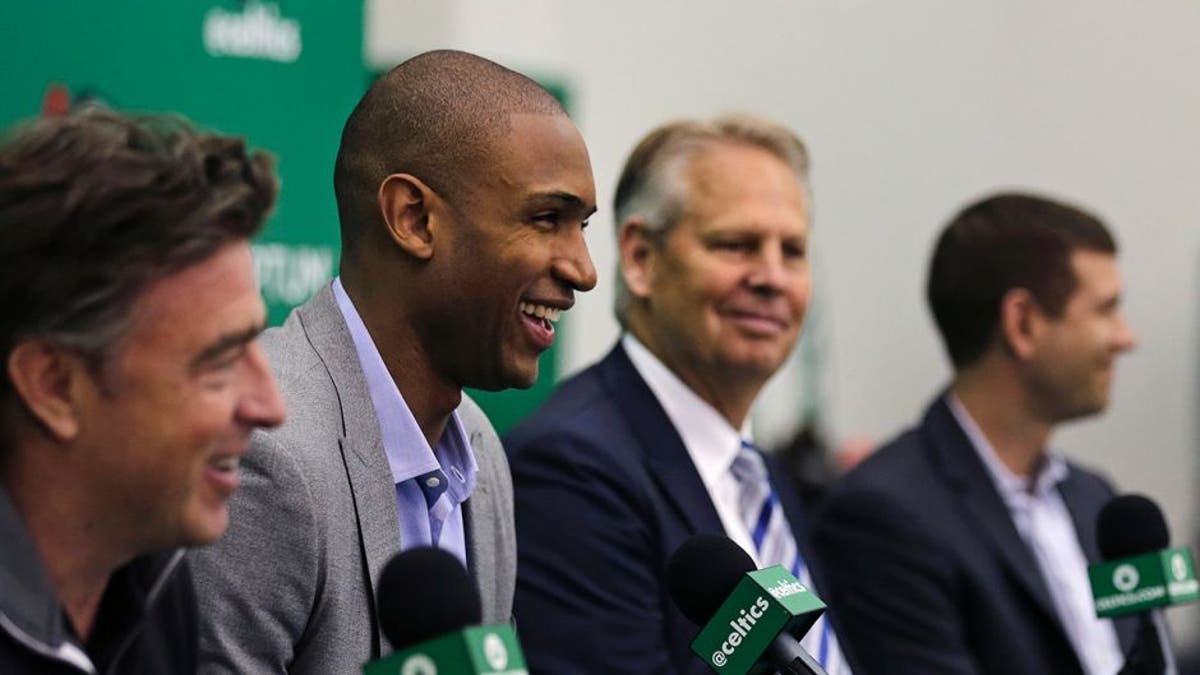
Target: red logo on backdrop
57, 101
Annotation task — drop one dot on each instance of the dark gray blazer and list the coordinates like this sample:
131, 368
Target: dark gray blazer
289, 587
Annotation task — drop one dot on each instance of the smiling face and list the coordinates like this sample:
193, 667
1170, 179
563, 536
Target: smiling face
161, 430
514, 256
722, 298
1070, 373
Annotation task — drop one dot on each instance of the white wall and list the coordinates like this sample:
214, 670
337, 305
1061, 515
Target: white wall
910, 109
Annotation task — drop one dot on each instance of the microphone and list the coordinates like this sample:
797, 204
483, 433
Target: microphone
429, 611
1140, 575
751, 618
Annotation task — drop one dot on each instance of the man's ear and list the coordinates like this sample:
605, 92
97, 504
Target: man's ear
406, 203
47, 380
1020, 321
637, 247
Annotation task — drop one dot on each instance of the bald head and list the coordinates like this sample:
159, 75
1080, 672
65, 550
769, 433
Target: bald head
435, 116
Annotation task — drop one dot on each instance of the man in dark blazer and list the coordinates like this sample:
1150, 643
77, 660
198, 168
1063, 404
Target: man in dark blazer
962, 546
646, 448
463, 189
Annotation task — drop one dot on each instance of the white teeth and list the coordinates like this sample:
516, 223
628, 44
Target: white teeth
224, 463
540, 311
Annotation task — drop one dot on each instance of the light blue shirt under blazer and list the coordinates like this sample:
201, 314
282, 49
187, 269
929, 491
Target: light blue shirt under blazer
431, 483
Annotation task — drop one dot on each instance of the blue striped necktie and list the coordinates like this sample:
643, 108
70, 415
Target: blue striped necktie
776, 545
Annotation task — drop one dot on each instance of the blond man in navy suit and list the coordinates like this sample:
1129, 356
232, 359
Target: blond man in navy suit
642, 450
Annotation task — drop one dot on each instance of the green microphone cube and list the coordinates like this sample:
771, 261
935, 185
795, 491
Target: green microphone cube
764, 604
1143, 582
482, 650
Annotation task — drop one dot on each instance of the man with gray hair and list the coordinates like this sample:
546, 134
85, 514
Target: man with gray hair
653, 444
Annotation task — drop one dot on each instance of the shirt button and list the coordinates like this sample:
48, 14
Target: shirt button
433, 481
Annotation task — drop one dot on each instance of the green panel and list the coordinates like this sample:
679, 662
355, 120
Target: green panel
283, 74
1136, 584
505, 409
494, 650
762, 605
447, 654
478, 650
796, 598
1180, 571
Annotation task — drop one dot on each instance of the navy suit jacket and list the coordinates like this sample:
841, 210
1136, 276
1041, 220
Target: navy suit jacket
928, 571
605, 492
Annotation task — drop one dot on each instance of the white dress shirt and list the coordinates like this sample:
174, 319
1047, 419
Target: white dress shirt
710, 439
713, 444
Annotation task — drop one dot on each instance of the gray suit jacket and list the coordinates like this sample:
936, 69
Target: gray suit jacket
290, 586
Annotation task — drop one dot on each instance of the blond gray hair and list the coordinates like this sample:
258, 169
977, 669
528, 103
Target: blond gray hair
653, 186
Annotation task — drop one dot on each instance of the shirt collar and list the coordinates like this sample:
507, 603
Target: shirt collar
1051, 472
709, 438
408, 452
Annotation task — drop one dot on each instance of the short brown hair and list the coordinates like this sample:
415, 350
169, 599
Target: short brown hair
95, 206
1002, 242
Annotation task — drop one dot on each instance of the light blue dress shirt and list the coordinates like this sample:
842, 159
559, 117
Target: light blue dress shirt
431, 483
1044, 522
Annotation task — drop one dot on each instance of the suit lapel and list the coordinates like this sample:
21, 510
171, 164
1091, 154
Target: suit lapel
361, 444
990, 517
479, 525
666, 458
1078, 502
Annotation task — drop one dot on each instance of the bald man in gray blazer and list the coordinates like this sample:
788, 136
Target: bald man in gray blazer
462, 191
314, 520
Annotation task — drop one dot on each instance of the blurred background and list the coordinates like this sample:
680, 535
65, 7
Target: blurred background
910, 110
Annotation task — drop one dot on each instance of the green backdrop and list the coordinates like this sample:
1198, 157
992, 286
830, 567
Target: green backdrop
283, 74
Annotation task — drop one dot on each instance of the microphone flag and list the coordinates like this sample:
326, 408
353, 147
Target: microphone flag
764, 604
1143, 582
479, 650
